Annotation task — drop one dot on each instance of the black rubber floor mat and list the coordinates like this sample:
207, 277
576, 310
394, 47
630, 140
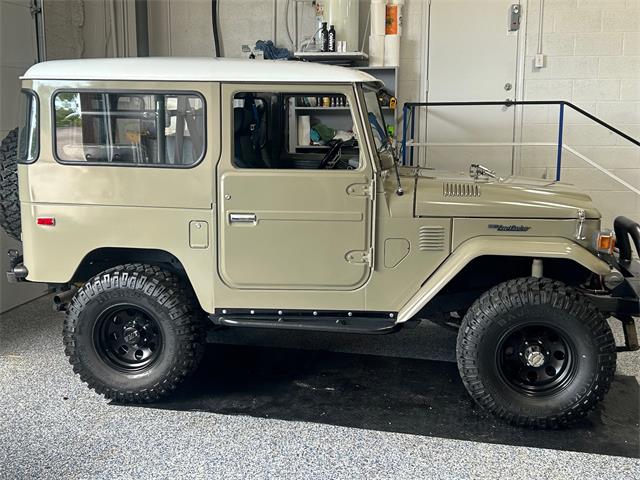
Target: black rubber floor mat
420, 397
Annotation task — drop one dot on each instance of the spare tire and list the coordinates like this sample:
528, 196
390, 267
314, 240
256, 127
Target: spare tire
9, 200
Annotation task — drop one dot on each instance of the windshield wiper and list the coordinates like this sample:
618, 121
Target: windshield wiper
399, 190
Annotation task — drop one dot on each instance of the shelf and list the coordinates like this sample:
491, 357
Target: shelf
332, 108
322, 147
329, 56
369, 67
322, 108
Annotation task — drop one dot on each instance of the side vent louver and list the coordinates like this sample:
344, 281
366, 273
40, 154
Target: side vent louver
450, 189
431, 239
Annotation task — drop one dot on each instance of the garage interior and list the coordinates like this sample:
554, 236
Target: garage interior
271, 404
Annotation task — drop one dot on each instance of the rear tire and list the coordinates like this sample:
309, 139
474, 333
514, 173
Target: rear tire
9, 199
536, 353
134, 333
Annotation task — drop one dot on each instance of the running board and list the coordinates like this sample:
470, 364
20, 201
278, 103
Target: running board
362, 325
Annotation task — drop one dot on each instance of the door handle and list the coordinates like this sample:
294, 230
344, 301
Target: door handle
242, 218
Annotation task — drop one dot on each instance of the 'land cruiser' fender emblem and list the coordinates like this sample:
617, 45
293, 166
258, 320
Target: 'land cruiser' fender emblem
509, 228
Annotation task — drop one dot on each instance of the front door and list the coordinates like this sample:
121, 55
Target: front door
294, 190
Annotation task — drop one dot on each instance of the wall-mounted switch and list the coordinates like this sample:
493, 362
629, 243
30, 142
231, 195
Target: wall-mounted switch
538, 60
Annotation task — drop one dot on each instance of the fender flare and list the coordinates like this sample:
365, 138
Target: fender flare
512, 246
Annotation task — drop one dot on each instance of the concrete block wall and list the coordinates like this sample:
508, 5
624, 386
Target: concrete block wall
592, 50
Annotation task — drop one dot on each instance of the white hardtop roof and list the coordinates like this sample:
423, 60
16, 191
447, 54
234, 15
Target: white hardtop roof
194, 69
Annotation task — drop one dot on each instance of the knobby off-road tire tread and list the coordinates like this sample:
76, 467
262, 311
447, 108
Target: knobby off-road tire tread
165, 288
534, 291
9, 198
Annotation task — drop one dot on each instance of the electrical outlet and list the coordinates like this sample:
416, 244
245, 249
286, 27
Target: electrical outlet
538, 60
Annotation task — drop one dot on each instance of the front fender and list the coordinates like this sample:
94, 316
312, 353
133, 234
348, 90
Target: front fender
513, 246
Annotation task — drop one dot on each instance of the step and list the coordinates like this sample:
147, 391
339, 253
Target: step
364, 324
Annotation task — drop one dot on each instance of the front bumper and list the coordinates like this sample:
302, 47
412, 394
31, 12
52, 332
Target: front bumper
623, 301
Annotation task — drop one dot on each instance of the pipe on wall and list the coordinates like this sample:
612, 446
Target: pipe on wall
214, 25
540, 27
114, 30
142, 28
274, 20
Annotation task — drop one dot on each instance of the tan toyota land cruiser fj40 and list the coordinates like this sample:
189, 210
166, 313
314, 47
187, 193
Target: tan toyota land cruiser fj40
159, 197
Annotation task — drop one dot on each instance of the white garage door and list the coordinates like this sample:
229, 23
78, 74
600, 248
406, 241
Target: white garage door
472, 56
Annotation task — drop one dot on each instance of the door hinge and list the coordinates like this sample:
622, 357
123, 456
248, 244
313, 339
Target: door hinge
361, 189
359, 257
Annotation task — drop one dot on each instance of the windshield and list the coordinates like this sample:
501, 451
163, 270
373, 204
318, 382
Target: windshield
378, 126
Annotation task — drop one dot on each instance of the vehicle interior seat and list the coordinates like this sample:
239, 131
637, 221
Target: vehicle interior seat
250, 133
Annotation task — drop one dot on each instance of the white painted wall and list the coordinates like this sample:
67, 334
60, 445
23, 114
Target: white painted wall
16, 29
593, 60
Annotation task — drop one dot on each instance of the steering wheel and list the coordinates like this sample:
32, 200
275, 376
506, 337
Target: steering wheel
325, 163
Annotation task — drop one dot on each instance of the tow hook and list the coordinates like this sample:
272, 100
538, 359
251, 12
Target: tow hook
17, 271
630, 334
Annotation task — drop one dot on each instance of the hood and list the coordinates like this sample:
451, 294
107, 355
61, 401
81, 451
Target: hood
459, 195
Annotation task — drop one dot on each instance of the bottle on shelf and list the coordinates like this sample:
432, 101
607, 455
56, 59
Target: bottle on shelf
331, 36
324, 38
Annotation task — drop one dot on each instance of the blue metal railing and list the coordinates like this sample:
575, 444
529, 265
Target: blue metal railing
408, 122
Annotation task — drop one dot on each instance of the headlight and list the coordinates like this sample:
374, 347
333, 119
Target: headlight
613, 279
604, 241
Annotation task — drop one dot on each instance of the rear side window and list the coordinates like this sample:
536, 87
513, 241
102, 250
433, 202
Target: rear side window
161, 129
28, 133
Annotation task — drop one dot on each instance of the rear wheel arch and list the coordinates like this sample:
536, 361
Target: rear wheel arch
101, 259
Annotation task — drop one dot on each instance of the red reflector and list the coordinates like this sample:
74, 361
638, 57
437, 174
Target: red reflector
50, 221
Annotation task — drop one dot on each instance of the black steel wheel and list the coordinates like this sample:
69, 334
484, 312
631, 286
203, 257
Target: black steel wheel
535, 352
134, 332
536, 359
128, 338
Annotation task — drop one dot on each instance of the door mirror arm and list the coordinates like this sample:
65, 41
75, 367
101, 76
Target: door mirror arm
388, 149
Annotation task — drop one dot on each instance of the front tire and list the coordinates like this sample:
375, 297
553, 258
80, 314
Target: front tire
536, 353
133, 333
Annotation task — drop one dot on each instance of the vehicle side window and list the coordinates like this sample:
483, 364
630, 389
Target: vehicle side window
294, 131
29, 128
129, 128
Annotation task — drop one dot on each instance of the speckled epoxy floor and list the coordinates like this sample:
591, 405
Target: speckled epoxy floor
52, 426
